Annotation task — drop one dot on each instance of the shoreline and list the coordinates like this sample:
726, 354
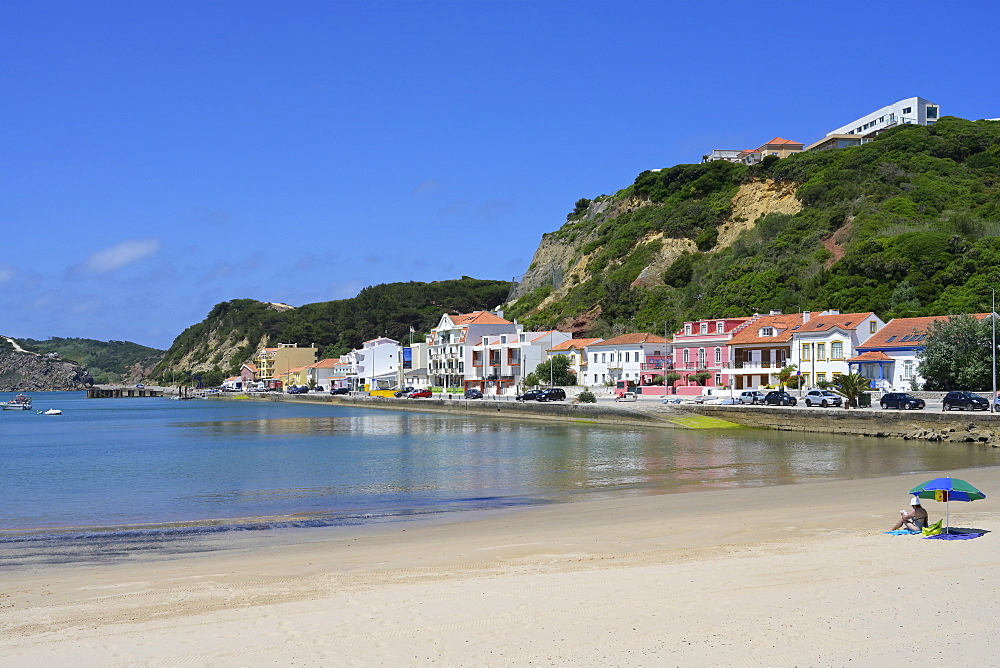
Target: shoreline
954, 427
795, 572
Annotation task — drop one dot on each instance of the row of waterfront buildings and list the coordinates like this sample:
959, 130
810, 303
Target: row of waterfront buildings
911, 111
483, 350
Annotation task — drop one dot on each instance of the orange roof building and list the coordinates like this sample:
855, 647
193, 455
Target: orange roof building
817, 344
621, 358
890, 357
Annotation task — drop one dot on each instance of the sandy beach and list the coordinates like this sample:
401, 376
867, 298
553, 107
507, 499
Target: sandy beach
798, 574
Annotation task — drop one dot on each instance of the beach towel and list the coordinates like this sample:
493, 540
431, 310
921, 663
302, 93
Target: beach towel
954, 536
902, 532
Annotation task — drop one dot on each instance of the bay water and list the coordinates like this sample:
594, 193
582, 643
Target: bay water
147, 470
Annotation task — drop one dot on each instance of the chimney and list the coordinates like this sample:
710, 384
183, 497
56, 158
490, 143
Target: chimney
805, 317
775, 311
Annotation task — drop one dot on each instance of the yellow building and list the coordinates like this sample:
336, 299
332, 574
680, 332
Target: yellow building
272, 362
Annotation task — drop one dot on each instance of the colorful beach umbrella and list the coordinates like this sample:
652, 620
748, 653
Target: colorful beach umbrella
947, 490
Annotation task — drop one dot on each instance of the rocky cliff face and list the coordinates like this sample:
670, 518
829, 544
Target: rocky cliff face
26, 372
560, 259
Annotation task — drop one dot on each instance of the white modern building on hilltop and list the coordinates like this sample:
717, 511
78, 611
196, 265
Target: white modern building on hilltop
911, 111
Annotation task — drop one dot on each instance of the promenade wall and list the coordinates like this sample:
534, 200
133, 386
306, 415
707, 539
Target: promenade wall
560, 411
955, 426
959, 426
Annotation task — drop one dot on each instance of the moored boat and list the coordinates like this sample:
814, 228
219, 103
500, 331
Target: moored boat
19, 403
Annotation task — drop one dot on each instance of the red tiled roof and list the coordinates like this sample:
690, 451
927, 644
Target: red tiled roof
627, 339
479, 318
575, 344
778, 141
872, 356
251, 366
782, 323
899, 328
328, 363
822, 323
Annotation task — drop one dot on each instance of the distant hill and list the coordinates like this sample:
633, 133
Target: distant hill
906, 225
234, 330
105, 361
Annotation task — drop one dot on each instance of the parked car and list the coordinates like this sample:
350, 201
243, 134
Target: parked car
751, 397
965, 401
779, 398
627, 396
529, 395
405, 392
473, 393
901, 400
420, 394
823, 398
552, 394
298, 389
340, 390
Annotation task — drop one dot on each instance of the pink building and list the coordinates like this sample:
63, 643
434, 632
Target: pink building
702, 346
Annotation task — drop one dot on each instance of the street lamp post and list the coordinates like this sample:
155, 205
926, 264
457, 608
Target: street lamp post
993, 348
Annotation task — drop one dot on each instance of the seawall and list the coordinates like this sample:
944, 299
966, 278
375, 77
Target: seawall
955, 426
561, 411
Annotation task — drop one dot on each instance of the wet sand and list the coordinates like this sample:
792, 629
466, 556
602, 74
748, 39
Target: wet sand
793, 574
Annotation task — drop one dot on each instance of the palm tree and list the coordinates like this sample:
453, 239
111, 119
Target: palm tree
850, 386
785, 375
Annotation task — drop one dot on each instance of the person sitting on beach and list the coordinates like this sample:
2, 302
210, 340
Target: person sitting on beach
915, 520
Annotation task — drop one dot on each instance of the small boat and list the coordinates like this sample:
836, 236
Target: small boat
19, 403
51, 411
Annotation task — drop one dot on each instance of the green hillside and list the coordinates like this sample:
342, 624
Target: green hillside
234, 330
106, 361
906, 225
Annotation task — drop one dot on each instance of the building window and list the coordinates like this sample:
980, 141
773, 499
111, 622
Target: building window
718, 379
767, 331
719, 327
932, 112
820, 351
701, 357
687, 329
687, 356
873, 327
837, 350
626, 357
907, 110
907, 369
820, 378
704, 328
806, 351
718, 356
604, 358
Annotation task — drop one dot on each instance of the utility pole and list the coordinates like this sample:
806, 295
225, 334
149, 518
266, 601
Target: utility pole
993, 348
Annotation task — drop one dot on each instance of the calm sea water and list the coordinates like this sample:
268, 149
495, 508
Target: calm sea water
152, 467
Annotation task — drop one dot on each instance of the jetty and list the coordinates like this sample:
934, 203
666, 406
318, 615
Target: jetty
122, 391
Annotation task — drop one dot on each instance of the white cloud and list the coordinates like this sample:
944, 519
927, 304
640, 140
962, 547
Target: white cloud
119, 255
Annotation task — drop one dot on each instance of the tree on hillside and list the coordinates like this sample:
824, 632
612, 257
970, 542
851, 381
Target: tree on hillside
561, 374
957, 355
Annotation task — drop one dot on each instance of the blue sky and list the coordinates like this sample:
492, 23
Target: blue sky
157, 158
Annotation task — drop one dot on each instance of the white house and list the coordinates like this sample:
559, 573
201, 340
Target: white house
890, 358
823, 343
501, 361
379, 363
450, 344
621, 357
911, 111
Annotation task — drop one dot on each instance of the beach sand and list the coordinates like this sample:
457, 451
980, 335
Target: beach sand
798, 574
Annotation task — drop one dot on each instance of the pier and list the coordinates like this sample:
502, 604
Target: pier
120, 391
